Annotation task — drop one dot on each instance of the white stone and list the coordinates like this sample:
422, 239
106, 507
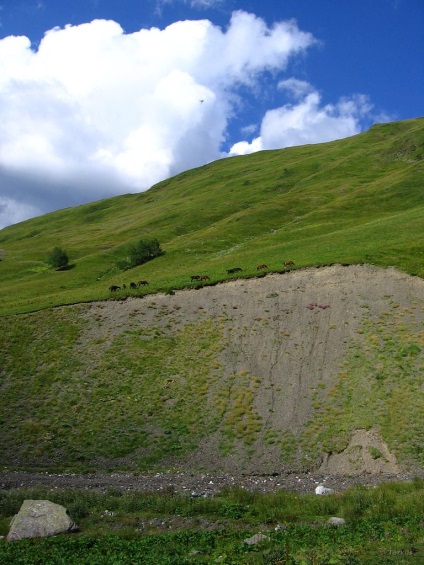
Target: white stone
334, 521
321, 489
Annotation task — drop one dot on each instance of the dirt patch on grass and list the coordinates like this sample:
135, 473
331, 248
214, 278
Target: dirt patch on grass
366, 453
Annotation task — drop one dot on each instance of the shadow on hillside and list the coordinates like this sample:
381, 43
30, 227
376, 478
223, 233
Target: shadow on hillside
66, 268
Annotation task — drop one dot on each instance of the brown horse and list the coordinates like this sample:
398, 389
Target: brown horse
195, 277
261, 267
142, 283
288, 263
234, 270
203, 278
114, 288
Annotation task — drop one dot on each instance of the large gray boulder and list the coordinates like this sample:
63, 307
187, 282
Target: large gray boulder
40, 518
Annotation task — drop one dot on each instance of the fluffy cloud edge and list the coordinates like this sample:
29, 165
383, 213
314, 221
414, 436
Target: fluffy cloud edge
308, 121
96, 112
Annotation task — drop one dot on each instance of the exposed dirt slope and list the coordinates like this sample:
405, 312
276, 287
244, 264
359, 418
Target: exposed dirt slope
287, 339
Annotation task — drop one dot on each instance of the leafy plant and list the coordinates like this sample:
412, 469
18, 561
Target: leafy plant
58, 258
142, 252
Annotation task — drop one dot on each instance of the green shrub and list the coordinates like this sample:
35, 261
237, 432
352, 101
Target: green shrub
142, 252
58, 258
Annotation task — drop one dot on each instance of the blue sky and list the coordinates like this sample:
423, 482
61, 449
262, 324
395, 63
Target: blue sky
105, 97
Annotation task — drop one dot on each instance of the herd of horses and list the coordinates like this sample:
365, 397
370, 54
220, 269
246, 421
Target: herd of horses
134, 285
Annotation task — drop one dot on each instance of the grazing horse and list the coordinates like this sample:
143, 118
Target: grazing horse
203, 278
114, 288
195, 277
142, 283
133, 285
288, 263
234, 270
313, 305
260, 267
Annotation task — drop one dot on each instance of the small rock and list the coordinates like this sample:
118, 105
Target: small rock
323, 490
194, 553
257, 538
334, 521
107, 513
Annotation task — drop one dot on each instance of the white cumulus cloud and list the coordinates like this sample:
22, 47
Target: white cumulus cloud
307, 121
94, 112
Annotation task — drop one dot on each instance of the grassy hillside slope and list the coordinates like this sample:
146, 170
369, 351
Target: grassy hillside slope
357, 200
249, 376
273, 373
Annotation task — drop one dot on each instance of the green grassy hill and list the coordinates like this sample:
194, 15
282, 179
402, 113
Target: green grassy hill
357, 200
244, 374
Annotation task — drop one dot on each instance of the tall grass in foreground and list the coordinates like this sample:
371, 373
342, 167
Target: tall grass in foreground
383, 525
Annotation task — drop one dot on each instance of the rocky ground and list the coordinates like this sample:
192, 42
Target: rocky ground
195, 485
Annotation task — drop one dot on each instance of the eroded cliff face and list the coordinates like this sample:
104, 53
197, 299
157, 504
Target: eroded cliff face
366, 453
268, 375
301, 362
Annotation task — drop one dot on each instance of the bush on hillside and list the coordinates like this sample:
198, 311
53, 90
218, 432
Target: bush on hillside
58, 258
142, 252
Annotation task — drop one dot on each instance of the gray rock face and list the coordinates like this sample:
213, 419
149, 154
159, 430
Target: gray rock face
323, 490
40, 518
335, 521
256, 539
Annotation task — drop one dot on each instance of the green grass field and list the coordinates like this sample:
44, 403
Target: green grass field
383, 525
357, 200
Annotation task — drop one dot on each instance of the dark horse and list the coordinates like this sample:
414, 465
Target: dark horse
142, 283
260, 267
235, 270
114, 288
195, 277
133, 285
203, 278
288, 263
